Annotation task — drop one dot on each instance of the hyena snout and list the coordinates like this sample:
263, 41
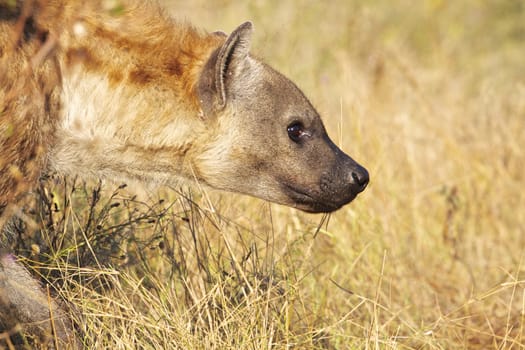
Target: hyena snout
343, 182
344, 185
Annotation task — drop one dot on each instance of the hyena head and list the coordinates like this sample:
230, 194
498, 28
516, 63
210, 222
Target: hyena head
271, 142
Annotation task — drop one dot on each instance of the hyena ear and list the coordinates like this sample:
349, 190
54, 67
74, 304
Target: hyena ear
222, 67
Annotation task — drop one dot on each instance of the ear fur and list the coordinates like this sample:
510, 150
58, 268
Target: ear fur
224, 63
234, 50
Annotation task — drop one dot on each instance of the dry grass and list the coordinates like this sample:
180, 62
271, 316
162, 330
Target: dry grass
430, 97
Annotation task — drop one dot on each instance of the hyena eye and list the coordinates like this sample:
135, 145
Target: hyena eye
296, 131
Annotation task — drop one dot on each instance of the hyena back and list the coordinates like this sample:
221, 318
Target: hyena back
132, 94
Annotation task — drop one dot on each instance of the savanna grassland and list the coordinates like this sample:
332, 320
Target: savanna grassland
429, 96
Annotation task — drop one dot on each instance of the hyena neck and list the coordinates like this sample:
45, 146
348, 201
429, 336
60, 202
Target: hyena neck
129, 106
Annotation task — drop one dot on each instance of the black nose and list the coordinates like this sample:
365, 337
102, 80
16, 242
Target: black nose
360, 178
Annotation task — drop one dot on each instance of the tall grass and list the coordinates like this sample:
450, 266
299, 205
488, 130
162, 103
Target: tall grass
430, 97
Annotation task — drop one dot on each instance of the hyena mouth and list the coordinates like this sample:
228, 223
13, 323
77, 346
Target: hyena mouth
312, 202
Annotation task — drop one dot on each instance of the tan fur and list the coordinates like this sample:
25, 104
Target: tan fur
120, 112
128, 93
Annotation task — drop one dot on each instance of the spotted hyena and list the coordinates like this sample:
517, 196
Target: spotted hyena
129, 93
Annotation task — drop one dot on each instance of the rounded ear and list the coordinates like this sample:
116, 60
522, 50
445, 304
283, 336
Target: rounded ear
222, 67
230, 58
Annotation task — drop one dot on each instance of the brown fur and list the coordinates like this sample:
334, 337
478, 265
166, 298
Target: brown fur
29, 96
131, 94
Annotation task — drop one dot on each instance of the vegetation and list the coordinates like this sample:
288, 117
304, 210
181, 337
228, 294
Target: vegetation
430, 97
